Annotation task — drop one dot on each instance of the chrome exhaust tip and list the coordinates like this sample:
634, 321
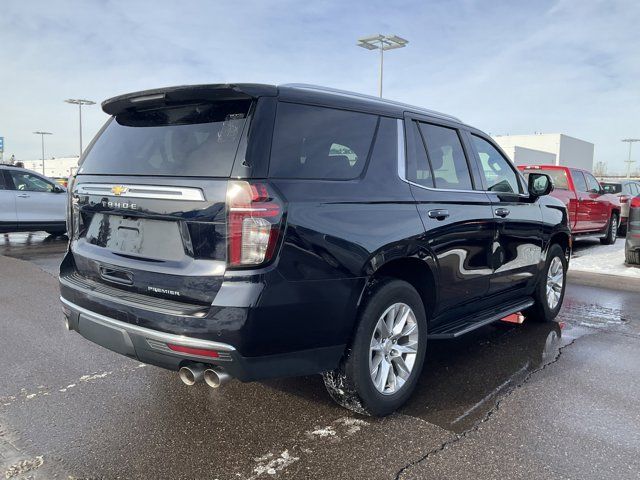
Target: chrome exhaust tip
191, 374
216, 377
67, 325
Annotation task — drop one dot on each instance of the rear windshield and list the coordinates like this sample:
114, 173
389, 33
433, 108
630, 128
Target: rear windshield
192, 140
611, 187
320, 143
558, 177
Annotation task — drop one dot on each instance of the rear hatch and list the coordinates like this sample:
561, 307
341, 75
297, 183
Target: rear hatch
148, 213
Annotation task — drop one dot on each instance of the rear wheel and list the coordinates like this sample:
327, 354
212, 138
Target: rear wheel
612, 231
380, 369
550, 289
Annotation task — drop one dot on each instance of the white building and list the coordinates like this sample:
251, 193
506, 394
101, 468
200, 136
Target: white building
545, 149
53, 167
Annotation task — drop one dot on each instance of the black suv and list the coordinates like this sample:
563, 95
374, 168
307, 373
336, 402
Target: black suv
253, 231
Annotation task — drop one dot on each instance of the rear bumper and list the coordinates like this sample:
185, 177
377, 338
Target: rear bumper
152, 347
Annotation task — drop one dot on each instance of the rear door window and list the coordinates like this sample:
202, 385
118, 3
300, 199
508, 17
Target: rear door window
191, 140
615, 187
312, 142
2, 180
446, 156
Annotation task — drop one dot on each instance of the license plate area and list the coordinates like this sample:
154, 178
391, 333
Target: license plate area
149, 239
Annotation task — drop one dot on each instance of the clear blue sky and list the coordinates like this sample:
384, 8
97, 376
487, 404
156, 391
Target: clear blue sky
507, 67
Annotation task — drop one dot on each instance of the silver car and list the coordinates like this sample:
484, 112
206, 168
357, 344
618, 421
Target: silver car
30, 202
625, 190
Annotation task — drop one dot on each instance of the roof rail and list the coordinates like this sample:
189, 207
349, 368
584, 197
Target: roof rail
346, 93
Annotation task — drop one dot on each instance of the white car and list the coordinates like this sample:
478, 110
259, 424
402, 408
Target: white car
30, 202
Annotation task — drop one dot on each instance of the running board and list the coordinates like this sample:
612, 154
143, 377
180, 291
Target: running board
460, 327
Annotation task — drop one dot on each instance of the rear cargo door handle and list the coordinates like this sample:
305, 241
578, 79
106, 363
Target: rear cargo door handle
502, 212
438, 214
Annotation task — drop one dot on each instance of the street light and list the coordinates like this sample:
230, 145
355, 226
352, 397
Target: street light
80, 102
630, 141
382, 43
42, 134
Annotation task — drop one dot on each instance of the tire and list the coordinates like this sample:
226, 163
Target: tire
352, 384
632, 257
544, 308
612, 231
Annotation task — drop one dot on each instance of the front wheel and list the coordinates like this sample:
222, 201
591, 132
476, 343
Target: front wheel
612, 231
549, 292
380, 369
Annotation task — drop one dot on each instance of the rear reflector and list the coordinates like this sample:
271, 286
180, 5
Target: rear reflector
193, 351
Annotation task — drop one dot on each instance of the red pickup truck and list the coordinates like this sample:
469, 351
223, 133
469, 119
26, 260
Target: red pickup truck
591, 211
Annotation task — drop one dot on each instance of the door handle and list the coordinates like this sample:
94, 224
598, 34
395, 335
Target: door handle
438, 214
502, 212
23, 195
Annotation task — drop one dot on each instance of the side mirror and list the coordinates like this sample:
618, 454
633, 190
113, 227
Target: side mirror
540, 184
58, 189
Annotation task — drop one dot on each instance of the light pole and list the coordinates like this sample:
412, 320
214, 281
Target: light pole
630, 141
80, 102
42, 134
382, 43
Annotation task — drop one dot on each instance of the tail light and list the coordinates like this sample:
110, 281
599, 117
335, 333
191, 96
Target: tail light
253, 223
624, 198
635, 202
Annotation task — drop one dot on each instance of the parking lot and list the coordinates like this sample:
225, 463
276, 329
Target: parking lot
508, 401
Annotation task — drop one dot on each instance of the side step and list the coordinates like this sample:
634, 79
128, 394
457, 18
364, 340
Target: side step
465, 325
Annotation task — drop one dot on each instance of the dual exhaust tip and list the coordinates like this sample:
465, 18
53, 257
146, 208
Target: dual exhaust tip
215, 377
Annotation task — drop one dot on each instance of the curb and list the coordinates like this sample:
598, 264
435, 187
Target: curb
603, 280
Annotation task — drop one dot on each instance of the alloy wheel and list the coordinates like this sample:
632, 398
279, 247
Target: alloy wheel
555, 282
394, 346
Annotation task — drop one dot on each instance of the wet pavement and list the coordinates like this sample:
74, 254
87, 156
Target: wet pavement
508, 401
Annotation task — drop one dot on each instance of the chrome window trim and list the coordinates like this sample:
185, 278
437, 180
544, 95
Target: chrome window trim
147, 332
402, 166
402, 170
157, 192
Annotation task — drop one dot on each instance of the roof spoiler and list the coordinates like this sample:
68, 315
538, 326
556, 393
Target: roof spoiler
186, 94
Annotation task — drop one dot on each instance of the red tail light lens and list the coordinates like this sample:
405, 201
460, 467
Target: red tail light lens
635, 202
624, 199
253, 223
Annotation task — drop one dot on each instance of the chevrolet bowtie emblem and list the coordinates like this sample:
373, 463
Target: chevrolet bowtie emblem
118, 190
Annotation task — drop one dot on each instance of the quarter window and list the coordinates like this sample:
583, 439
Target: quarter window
446, 156
422, 172
498, 173
320, 143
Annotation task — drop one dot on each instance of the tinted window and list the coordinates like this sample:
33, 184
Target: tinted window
498, 173
195, 140
614, 187
420, 172
579, 181
320, 143
446, 156
592, 183
30, 183
558, 177
635, 190
1, 180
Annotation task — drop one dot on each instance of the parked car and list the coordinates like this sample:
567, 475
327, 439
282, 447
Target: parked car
592, 211
252, 231
30, 202
61, 181
625, 190
632, 242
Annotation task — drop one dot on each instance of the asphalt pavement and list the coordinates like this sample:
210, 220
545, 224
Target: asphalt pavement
508, 401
